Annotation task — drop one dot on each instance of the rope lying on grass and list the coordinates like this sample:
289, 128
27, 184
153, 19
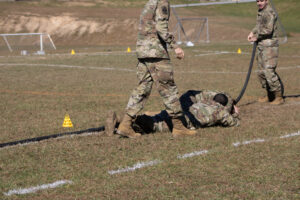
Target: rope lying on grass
37, 139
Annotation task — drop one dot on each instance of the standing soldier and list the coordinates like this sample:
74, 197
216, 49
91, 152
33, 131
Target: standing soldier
266, 33
155, 67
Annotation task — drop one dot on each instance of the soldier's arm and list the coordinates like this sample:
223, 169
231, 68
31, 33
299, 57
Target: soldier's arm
252, 37
162, 21
255, 29
227, 119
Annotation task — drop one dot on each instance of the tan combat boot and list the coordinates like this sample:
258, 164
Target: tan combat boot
179, 129
125, 128
264, 99
278, 98
111, 123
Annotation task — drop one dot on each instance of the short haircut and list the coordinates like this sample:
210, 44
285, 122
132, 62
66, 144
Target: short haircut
221, 98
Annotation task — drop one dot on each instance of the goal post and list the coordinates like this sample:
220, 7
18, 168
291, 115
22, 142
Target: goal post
194, 30
32, 42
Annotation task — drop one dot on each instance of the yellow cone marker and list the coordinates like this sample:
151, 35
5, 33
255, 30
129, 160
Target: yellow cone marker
128, 50
239, 51
67, 122
72, 52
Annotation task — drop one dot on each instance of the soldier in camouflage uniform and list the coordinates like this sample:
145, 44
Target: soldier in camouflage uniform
201, 109
154, 67
266, 34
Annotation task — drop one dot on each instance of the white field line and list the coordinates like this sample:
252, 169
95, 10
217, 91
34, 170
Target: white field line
132, 53
219, 53
192, 154
210, 72
132, 70
103, 53
195, 153
135, 167
68, 66
211, 3
290, 135
36, 188
248, 142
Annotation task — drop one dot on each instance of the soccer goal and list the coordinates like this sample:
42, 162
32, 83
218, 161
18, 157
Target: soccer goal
192, 30
27, 43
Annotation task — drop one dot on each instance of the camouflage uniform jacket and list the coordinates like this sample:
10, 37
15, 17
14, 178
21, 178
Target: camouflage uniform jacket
266, 29
153, 33
201, 110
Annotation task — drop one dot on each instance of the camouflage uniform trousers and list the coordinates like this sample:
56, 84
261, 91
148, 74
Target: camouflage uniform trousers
160, 72
267, 62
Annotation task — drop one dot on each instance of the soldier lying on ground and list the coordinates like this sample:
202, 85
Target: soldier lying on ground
201, 109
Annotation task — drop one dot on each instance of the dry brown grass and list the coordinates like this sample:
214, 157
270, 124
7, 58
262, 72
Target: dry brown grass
37, 91
34, 100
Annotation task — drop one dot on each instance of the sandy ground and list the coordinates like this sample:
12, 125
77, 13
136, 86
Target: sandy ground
83, 23
87, 25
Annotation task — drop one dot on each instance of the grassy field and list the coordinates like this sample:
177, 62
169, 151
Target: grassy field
37, 91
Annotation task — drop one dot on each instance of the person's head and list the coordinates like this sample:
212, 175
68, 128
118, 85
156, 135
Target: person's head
221, 99
261, 4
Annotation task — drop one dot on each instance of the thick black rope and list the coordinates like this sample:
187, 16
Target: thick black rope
248, 75
37, 139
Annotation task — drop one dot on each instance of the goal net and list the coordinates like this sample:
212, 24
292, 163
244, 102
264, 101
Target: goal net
191, 31
26, 43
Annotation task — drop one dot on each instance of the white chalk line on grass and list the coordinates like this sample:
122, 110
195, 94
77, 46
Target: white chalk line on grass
135, 167
131, 70
195, 153
218, 53
68, 66
102, 53
192, 154
236, 144
290, 135
248, 142
37, 188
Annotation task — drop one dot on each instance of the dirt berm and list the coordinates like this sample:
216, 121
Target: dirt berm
81, 23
